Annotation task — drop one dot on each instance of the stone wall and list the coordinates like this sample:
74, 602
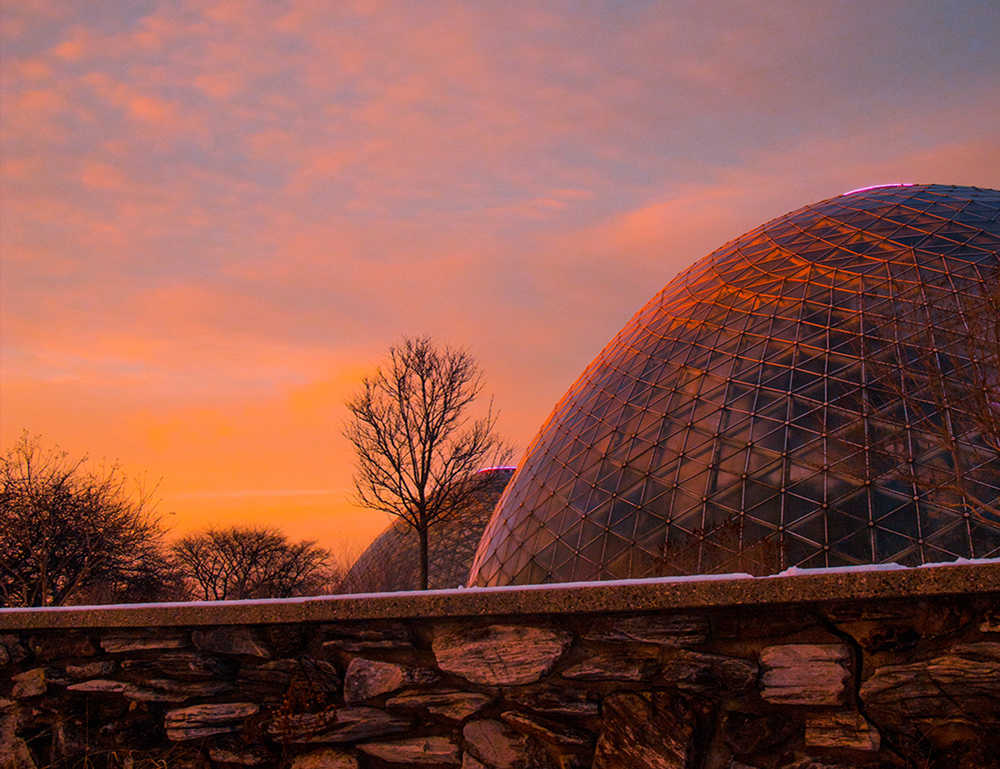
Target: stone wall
864, 669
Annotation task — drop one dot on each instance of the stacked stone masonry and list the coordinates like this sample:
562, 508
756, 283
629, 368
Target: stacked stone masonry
885, 682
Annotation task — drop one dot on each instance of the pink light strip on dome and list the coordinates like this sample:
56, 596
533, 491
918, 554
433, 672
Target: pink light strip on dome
876, 187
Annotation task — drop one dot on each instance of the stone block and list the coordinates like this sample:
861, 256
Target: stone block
342, 725
277, 674
14, 753
350, 638
552, 700
847, 729
11, 650
317, 679
126, 641
547, 731
30, 683
614, 667
416, 750
985, 651
645, 730
451, 704
805, 674
61, 646
233, 751
169, 690
961, 684
231, 639
500, 655
325, 758
200, 721
710, 674
99, 685
139, 666
676, 630
91, 669
990, 622
366, 679
747, 733
192, 666
894, 639
495, 745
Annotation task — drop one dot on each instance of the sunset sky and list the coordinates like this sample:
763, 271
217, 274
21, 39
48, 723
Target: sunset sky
216, 216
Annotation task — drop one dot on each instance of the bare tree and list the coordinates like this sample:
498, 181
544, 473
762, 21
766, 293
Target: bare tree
241, 562
67, 533
418, 450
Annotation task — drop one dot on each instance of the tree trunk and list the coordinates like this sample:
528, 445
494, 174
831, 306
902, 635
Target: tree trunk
422, 533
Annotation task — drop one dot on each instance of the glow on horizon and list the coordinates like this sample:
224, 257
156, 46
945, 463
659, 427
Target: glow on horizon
244, 493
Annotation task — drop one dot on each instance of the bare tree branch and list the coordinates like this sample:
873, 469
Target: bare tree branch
417, 448
68, 535
242, 562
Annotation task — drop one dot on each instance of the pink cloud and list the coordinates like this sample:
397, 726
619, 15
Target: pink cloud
218, 86
75, 47
146, 107
103, 176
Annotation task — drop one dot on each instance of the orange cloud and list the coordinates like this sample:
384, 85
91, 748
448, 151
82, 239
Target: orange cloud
152, 109
103, 176
220, 85
41, 102
144, 106
33, 69
72, 49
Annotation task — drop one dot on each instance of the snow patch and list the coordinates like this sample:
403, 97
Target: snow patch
794, 571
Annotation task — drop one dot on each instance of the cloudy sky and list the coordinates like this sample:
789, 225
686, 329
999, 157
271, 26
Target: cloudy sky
216, 215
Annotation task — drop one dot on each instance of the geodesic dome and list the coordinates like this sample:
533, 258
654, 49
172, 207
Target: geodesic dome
793, 399
391, 563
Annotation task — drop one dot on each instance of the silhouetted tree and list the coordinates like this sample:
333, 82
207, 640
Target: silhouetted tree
250, 562
69, 534
418, 450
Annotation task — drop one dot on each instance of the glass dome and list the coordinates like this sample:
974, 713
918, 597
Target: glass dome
392, 562
794, 399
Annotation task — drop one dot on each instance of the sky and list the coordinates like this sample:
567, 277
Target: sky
217, 215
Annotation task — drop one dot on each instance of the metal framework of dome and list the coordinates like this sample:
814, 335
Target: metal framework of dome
392, 562
793, 399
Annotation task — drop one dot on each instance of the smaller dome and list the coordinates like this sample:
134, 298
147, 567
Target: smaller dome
392, 562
